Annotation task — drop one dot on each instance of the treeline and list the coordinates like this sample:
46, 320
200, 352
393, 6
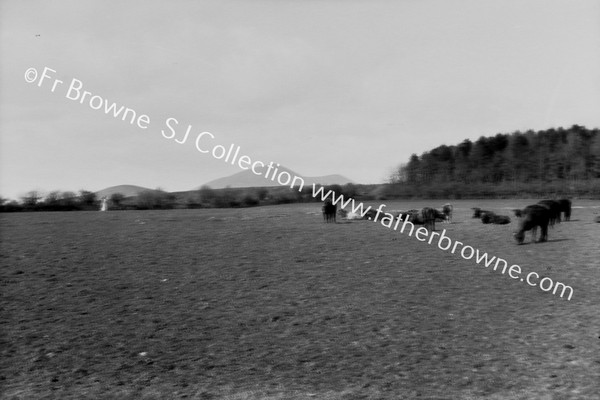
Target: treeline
53, 201
553, 161
205, 197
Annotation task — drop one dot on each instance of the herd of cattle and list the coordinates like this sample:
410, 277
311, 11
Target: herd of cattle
543, 214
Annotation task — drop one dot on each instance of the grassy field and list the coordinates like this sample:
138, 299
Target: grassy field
271, 303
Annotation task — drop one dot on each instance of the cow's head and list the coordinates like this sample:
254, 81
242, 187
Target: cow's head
519, 236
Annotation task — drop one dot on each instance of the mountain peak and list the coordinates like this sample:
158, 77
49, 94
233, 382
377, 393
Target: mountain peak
125, 190
247, 178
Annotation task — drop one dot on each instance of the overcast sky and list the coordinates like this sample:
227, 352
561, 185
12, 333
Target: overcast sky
322, 87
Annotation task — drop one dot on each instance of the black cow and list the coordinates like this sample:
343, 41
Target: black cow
489, 217
532, 217
501, 220
329, 211
429, 215
565, 207
555, 209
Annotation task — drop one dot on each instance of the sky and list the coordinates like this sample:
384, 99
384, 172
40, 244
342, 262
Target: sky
322, 87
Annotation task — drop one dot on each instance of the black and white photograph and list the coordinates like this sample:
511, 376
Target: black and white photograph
300, 199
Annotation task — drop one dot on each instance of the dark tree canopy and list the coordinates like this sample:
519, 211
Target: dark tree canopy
545, 156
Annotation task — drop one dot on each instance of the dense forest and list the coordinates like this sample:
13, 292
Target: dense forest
554, 161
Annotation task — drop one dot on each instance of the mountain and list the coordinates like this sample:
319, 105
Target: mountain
126, 190
247, 178
328, 179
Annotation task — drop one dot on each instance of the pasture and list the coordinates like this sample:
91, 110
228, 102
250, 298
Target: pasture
272, 303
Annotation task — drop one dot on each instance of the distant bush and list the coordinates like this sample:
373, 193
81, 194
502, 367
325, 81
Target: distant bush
11, 206
155, 200
88, 200
116, 201
249, 201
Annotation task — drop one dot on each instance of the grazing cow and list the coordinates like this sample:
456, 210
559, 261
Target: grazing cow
532, 217
517, 212
429, 214
555, 209
565, 207
597, 219
329, 211
447, 210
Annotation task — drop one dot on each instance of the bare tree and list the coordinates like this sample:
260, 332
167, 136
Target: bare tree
117, 199
31, 199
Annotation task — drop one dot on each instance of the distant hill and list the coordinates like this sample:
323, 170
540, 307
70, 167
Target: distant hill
126, 190
247, 178
328, 179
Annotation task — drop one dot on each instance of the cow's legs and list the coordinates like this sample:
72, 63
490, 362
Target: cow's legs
544, 236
